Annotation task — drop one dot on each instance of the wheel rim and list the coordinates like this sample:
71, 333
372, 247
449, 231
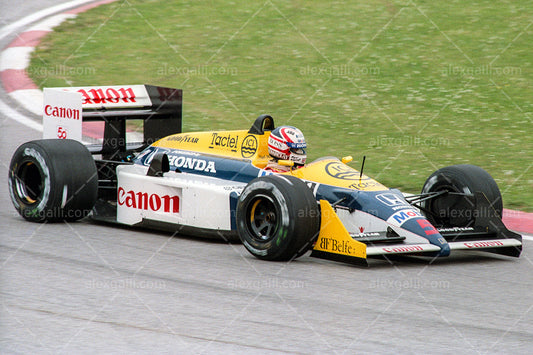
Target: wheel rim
28, 183
262, 218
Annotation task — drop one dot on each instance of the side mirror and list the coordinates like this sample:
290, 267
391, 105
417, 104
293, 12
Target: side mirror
347, 159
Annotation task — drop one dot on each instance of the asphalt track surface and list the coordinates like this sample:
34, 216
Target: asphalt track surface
85, 288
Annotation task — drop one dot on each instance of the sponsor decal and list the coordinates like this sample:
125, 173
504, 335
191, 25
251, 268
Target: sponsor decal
455, 229
224, 141
487, 244
362, 185
61, 112
148, 201
342, 171
337, 246
427, 227
365, 235
369, 234
333, 236
191, 163
184, 138
339, 170
109, 96
391, 200
249, 146
400, 217
274, 142
403, 249
233, 188
62, 133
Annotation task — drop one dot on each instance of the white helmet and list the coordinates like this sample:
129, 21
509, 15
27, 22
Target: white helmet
287, 143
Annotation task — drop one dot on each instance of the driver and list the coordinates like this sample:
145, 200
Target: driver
286, 143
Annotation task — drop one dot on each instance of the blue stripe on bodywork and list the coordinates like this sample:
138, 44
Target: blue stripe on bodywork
203, 164
233, 200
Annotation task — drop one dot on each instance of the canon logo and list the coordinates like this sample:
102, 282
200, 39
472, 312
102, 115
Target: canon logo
61, 112
488, 244
404, 249
147, 201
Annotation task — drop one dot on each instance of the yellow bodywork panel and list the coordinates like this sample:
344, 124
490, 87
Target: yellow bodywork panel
332, 171
231, 144
334, 240
254, 148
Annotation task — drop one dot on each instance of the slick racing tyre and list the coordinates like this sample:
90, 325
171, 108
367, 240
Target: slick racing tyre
53, 180
278, 217
458, 210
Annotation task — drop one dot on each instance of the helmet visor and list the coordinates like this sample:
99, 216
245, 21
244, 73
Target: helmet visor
297, 151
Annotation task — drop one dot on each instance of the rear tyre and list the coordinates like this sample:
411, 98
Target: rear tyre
277, 217
53, 180
452, 210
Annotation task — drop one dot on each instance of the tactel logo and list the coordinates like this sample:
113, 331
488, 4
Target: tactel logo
224, 141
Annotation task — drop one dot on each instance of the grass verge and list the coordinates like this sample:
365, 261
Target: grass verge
413, 85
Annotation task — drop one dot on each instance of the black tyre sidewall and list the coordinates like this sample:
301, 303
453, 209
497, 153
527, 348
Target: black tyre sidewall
69, 179
298, 212
467, 179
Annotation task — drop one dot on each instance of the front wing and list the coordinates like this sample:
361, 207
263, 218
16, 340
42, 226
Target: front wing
335, 243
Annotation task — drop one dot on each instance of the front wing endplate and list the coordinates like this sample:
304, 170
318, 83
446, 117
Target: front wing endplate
334, 242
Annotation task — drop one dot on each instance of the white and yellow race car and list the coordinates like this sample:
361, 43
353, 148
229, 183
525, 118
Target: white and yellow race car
214, 184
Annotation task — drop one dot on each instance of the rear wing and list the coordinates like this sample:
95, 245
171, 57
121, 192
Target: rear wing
158, 108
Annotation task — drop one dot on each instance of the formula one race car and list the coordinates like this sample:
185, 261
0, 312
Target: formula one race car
215, 184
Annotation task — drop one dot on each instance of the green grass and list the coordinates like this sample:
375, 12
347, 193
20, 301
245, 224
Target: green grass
414, 86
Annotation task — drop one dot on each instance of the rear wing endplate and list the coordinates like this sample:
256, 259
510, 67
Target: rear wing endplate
159, 108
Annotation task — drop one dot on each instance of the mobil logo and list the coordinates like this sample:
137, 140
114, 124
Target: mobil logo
402, 216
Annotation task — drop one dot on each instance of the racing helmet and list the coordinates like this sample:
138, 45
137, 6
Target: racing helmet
287, 143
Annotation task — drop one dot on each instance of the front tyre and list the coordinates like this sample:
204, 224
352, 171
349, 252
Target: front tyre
277, 217
456, 209
53, 180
